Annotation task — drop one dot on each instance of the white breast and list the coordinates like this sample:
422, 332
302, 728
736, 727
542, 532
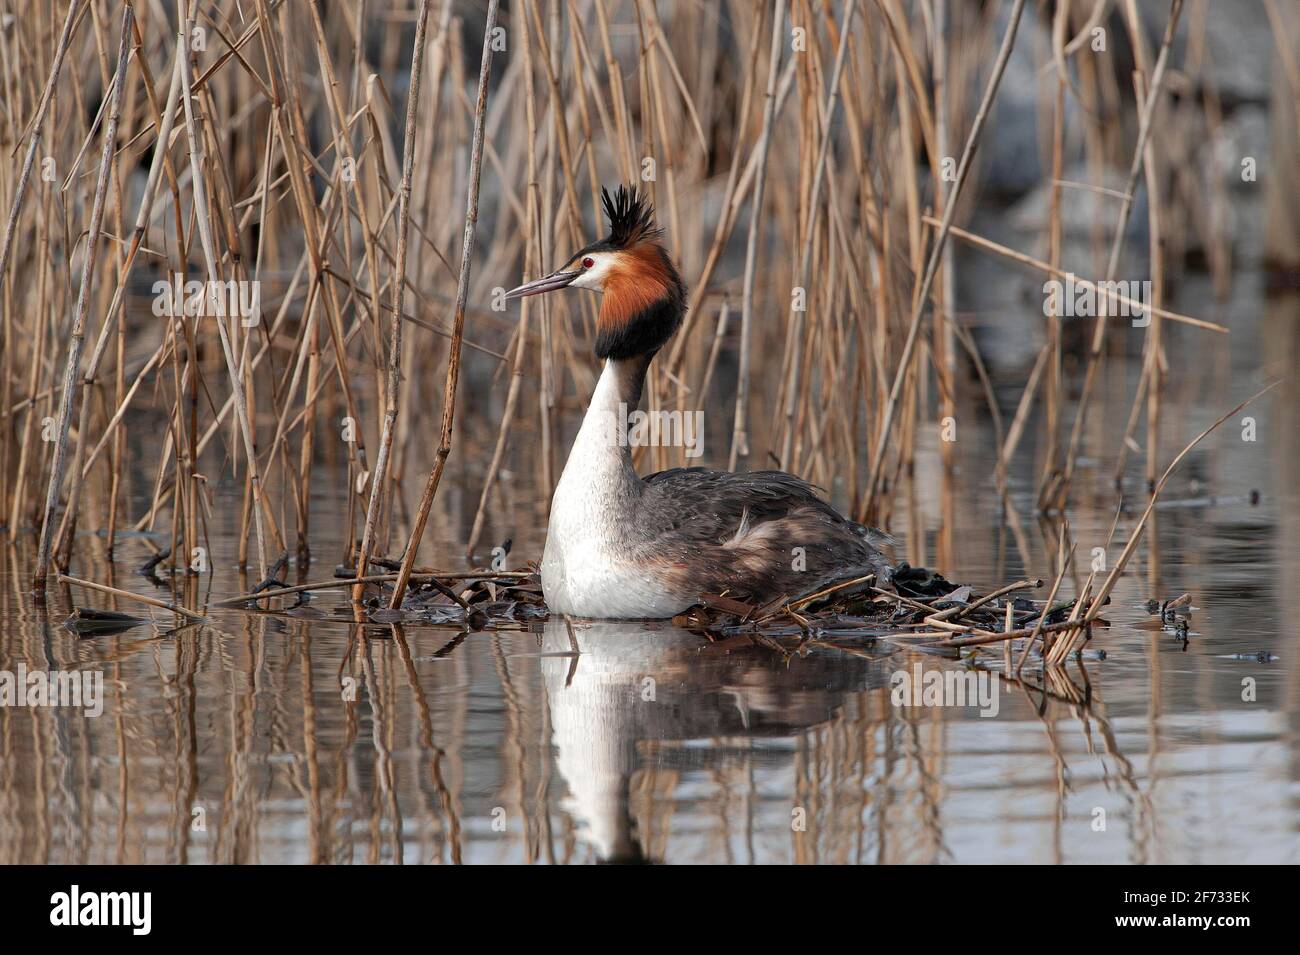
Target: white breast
587, 581
586, 569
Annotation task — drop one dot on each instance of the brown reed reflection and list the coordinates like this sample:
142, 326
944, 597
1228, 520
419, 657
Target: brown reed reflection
302, 733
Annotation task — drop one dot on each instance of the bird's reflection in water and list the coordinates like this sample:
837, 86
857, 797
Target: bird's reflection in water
612, 686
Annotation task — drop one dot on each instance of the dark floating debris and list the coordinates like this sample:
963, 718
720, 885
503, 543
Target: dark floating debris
1168, 609
150, 567
476, 600
89, 622
1173, 616
272, 580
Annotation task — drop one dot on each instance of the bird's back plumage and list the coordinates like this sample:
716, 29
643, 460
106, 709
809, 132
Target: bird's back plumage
754, 535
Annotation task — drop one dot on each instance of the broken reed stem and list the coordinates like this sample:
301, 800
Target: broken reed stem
1060, 649
1102, 290
842, 585
458, 324
961, 611
1109, 583
943, 639
1007, 626
78, 336
1063, 561
982, 637
936, 251
379, 480
127, 595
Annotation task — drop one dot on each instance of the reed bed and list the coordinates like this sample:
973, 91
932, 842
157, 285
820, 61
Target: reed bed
379, 173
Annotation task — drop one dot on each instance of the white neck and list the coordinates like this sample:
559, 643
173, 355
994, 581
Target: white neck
598, 453
587, 569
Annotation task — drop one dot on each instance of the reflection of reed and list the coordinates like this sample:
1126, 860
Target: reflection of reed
1282, 337
1057, 689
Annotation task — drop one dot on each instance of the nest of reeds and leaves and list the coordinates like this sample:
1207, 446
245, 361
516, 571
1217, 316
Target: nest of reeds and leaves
915, 607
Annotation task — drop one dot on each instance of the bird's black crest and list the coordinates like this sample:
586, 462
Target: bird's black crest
631, 217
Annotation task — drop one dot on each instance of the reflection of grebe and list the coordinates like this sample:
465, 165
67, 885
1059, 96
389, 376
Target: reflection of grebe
613, 686
623, 546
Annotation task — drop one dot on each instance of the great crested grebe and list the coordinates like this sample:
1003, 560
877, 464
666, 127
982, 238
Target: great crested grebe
622, 546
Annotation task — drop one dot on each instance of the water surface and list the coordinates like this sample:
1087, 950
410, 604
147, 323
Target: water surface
305, 736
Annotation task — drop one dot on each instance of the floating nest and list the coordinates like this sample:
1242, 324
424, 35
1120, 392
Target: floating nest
915, 607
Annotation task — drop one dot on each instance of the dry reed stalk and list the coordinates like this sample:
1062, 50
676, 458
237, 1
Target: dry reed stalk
532, 267
503, 430
344, 156
1063, 561
237, 382
112, 321
810, 232
1094, 610
1052, 405
1007, 627
537, 247
379, 480
458, 323
1102, 292
733, 195
83, 306
127, 595
34, 132
1054, 492
943, 332
1153, 348
922, 295
739, 433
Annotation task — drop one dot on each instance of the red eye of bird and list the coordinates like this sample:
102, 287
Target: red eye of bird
588, 262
